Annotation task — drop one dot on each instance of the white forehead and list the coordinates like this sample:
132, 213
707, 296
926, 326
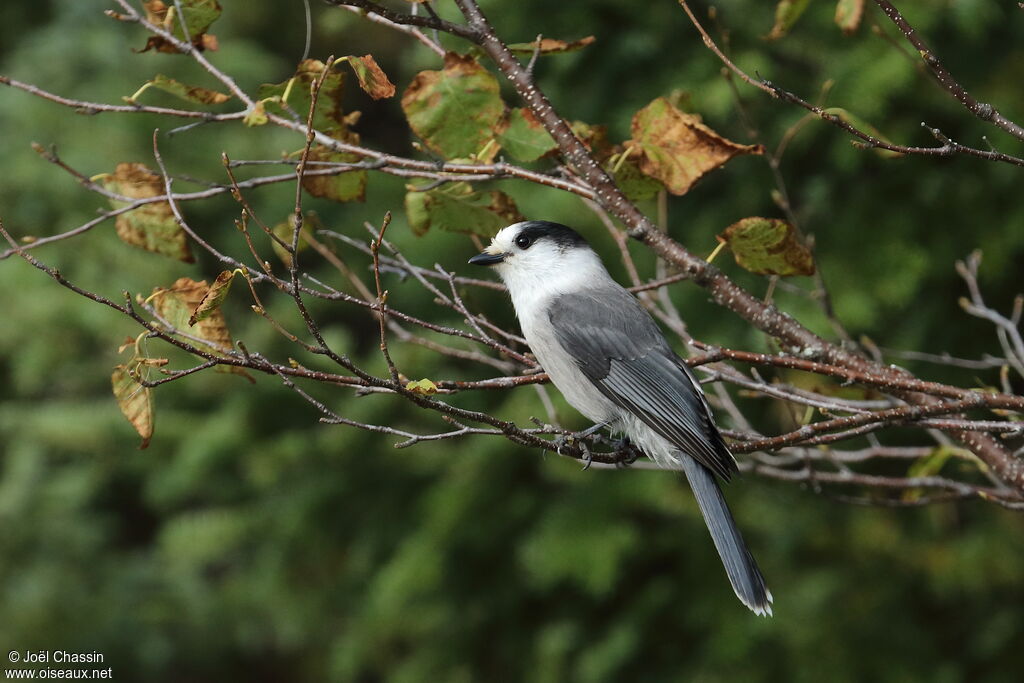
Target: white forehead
506, 235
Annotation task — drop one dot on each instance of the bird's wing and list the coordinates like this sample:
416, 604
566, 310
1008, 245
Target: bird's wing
619, 348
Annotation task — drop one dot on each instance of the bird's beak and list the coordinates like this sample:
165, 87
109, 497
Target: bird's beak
486, 259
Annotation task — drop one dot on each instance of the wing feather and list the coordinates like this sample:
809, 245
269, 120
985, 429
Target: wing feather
621, 350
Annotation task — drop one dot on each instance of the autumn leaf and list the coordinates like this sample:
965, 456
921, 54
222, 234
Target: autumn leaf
135, 402
424, 387
457, 207
550, 46
455, 111
177, 305
349, 186
371, 77
786, 14
848, 15
199, 15
676, 148
328, 117
524, 137
213, 298
191, 93
151, 226
768, 246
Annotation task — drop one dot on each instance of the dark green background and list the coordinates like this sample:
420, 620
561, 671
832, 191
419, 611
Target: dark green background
251, 542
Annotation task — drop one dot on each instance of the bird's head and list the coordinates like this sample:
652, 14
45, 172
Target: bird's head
541, 254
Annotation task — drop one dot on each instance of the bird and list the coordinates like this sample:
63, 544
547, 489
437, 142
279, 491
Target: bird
611, 362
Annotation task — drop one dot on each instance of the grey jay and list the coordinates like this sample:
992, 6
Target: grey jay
609, 359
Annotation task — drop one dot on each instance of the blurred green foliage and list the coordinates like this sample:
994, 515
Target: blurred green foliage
252, 542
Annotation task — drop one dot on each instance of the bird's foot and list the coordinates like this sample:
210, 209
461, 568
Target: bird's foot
580, 438
628, 453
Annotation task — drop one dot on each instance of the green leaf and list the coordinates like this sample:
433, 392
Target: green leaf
371, 77
928, 466
199, 16
931, 464
631, 180
256, 116
849, 14
550, 46
524, 137
135, 402
284, 231
457, 207
768, 246
329, 116
786, 14
676, 148
349, 186
190, 93
862, 125
213, 298
151, 226
455, 111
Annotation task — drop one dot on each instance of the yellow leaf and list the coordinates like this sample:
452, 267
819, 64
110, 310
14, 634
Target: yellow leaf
423, 387
177, 304
213, 298
151, 226
135, 402
257, 116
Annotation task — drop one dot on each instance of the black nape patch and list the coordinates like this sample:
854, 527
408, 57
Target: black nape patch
561, 235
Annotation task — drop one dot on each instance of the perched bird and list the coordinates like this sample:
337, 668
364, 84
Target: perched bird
610, 360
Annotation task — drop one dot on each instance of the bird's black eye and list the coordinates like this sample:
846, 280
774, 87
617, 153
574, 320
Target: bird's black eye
523, 241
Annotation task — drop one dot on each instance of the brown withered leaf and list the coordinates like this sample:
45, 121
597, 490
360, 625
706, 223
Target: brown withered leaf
192, 93
768, 246
199, 15
676, 148
151, 226
371, 77
135, 402
550, 46
176, 305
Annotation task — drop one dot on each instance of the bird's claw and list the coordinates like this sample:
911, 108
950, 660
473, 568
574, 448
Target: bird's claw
563, 440
624, 445
588, 459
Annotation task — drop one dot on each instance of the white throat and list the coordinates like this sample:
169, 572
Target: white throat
532, 285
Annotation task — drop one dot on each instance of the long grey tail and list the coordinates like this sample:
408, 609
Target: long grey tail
739, 564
